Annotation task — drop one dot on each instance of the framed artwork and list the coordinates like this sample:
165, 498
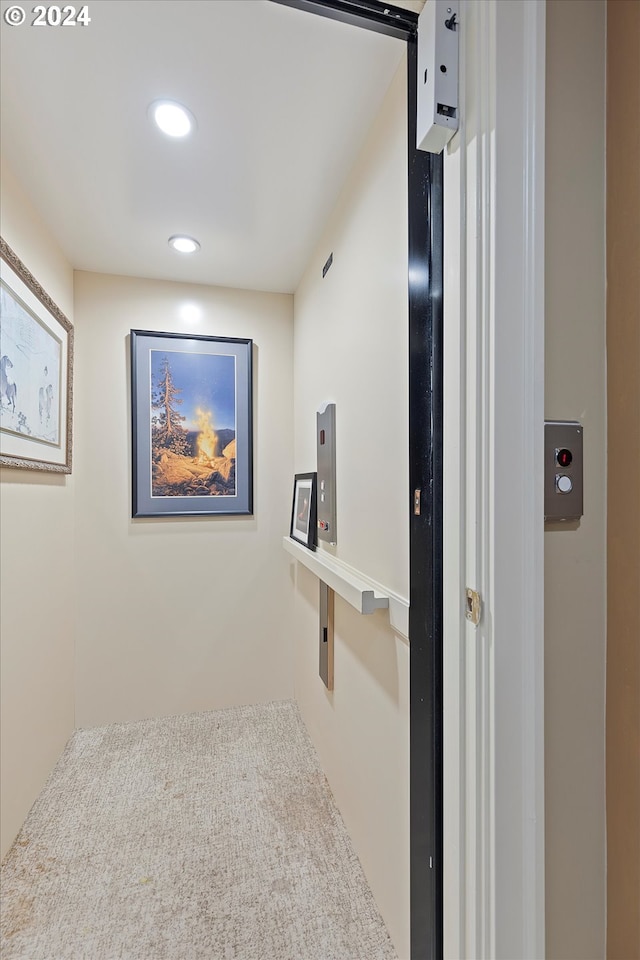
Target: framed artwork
192, 425
304, 510
36, 367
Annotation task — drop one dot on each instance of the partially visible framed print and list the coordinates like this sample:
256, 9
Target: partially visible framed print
36, 368
192, 425
304, 510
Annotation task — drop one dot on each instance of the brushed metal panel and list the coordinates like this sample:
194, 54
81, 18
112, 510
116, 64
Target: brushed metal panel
561, 436
326, 457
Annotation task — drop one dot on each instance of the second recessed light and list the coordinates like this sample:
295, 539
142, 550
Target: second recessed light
172, 118
184, 244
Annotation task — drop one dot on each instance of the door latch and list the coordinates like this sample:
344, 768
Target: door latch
473, 607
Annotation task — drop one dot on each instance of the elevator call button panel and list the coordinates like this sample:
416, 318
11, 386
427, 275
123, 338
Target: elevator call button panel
326, 454
563, 470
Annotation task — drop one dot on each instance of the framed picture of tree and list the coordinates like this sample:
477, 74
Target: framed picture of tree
191, 425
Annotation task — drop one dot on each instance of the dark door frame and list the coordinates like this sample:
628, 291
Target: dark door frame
425, 283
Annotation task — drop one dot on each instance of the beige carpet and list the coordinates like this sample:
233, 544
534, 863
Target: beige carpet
205, 836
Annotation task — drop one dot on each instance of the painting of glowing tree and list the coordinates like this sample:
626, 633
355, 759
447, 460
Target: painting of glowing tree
193, 424
168, 431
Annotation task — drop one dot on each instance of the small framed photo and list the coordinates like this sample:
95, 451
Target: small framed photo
304, 510
192, 425
36, 367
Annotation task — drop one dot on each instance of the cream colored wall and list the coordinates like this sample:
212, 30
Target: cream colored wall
351, 347
182, 614
575, 600
36, 570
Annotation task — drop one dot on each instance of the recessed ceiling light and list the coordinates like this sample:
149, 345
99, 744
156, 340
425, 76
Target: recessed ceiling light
172, 118
184, 244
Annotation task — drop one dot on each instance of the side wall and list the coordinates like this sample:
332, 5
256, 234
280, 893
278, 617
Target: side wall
179, 614
351, 347
623, 509
36, 567
575, 600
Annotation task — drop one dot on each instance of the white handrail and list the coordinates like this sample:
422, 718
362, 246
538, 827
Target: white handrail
360, 591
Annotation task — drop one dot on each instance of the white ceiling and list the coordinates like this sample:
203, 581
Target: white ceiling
283, 100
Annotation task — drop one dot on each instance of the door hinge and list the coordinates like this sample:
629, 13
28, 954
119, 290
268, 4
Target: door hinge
473, 606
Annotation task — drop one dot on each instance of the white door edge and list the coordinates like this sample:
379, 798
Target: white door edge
493, 526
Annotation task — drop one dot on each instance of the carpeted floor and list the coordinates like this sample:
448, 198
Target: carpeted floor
205, 837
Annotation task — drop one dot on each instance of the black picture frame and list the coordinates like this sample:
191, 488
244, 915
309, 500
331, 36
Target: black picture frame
192, 425
304, 510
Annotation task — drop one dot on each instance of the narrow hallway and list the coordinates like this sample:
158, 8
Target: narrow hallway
211, 835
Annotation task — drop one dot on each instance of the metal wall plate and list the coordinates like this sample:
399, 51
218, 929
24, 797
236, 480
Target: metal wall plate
326, 454
327, 598
563, 470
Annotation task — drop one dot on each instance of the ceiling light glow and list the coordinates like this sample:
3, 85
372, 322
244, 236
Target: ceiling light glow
190, 313
172, 118
184, 244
